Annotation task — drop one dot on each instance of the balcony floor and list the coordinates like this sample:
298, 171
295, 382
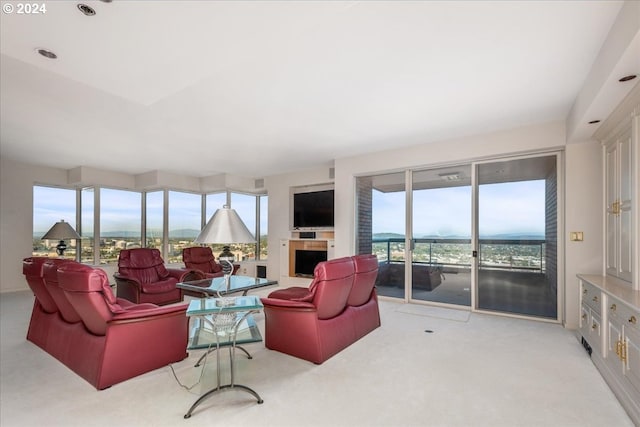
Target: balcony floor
516, 292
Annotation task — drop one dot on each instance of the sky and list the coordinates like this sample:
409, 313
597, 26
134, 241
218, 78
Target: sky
513, 207
116, 214
506, 208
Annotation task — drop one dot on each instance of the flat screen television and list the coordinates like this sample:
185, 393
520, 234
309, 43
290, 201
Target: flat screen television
313, 210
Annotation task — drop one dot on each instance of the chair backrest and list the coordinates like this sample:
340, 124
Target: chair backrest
366, 271
88, 290
332, 282
50, 274
32, 268
144, 264
200, 258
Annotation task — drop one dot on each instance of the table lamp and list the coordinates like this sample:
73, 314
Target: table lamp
225, 227
61, 231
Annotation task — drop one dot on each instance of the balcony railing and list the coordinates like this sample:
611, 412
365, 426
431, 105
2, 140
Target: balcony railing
525, 255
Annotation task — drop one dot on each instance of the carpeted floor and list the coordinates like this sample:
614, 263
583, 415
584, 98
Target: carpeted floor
423, 367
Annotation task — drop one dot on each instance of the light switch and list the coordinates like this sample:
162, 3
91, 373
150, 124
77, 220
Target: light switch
576, 236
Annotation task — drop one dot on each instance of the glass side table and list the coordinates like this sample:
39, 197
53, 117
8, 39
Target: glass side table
223, 322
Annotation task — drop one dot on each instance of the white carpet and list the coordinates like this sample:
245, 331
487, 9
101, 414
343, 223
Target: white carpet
487, 371
437, 312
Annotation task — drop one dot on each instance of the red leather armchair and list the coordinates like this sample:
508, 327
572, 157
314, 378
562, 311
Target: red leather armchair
201, 258
142, 277
339, 307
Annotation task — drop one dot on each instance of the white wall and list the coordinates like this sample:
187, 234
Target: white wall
583, 212
16, 216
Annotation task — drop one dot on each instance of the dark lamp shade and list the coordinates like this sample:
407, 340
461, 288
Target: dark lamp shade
61, 231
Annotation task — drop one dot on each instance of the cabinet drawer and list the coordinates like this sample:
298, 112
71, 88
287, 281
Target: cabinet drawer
632, 366
623, 314
595, 328
592, 297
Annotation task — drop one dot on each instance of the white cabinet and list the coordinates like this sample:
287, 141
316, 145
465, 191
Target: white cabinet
609, 324
623, 344
619, 201
591, 318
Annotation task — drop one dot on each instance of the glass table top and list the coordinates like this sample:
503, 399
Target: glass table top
217, 285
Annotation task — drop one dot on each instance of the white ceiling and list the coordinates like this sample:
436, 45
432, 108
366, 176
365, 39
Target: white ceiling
256, 88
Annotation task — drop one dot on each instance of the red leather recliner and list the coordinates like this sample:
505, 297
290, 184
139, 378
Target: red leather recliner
45, 309
142, 277
118, 340
104, 339
362, 304
336, 310
201, 258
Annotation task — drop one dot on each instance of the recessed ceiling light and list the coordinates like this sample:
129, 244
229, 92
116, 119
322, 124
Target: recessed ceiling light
46, 53
627, 78
87, 10
593, 122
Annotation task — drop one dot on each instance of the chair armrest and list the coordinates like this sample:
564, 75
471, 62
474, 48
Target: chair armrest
128, 288
181, 273
283, 303
189, 275
142, 314
131, 281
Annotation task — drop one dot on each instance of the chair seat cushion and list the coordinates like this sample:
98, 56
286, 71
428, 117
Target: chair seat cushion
294, 293
160, 287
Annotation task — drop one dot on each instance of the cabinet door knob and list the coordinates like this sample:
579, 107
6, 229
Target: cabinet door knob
613, 307
633, 320
584, 291
594, 299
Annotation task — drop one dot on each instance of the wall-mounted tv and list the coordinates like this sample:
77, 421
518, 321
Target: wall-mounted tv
313, 210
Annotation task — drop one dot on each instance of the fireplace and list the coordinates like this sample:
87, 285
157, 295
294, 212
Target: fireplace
304, 255
306, 261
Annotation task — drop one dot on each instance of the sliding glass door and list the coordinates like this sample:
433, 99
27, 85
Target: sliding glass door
517, 236
481, 235
441, 238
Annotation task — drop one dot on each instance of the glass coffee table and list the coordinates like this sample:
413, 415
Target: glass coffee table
218, 287
223, 322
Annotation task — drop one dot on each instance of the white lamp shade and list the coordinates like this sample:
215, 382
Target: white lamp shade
225, 227
61, 231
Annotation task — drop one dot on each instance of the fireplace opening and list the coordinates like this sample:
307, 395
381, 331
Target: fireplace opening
306, 261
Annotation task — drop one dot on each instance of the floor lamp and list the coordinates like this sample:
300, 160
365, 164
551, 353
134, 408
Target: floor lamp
225, 227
